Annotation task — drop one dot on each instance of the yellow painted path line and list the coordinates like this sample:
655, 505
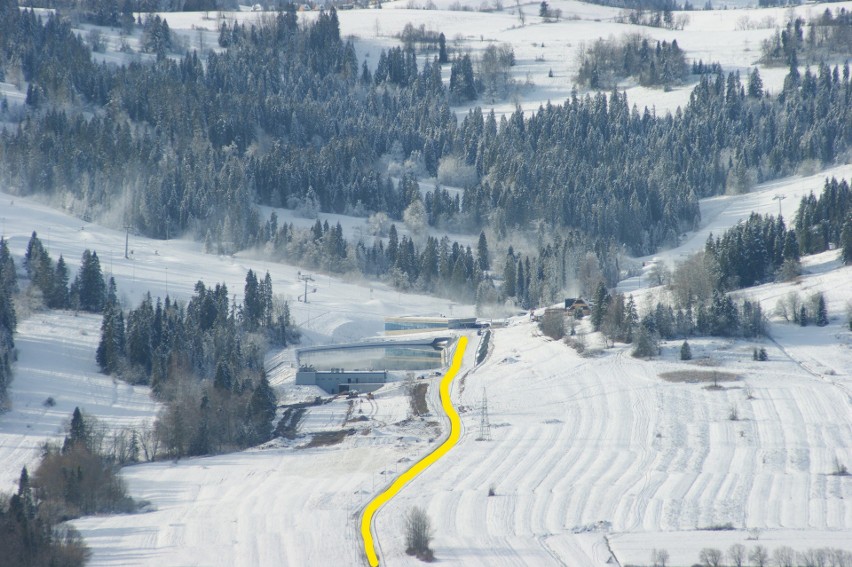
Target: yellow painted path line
422, 464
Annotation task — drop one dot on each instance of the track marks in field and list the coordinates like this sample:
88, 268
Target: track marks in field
602, 443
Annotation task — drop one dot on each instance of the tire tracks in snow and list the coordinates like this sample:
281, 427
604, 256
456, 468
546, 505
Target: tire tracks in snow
372, 508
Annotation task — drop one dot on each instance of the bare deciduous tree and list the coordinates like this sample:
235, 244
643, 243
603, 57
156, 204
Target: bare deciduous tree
710, 557
418, 534
737, 555
784, 557
659, 557
759, 557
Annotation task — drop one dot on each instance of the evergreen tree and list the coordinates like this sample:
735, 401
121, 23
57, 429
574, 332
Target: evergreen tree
8, 274
201, 442
89, 283
482, 253
111, 348
266, 299
601, 304
140, 340
755, 84
58, 298
78, 434
261, 411
646, 344
846, 243
224, 380
631, 319
462, 82
252, 303
39, 266
685, 351
442, 49
393, 245
822, 312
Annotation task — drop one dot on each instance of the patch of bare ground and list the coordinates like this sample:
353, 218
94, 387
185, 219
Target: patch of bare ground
327, 438
417, 399
288, 425
711, 377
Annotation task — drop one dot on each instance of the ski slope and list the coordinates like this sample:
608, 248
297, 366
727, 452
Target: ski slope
56, 360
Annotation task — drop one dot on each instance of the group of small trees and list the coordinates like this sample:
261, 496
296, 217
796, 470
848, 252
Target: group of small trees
49, 282
828, 34
617, 317
80, 478
826, 221
49, 287
32, 537
418, 534
739, 555
75, 479
752, 252
606, 62
794, 310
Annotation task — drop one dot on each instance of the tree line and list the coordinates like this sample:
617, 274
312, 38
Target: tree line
826, 221
823, 37
49, 286
202, 359
762, 249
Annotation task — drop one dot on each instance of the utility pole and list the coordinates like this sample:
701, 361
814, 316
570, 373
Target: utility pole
484, 423
779, 198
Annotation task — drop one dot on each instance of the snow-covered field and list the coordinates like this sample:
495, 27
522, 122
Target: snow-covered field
584, 447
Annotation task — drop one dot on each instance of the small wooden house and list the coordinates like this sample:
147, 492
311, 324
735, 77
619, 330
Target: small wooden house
577, 307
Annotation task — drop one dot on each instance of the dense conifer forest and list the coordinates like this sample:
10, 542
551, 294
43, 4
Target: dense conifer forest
286, 117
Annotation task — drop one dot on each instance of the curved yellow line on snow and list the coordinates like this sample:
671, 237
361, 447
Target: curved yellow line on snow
422, 464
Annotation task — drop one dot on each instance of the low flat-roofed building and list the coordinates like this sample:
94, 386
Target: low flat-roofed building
339, 381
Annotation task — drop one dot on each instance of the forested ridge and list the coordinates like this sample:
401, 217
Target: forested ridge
285, 116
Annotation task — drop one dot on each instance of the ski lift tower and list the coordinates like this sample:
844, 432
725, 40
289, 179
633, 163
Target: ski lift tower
306, 278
